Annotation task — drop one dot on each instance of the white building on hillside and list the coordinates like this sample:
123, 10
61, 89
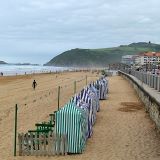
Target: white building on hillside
127, 59
148, 58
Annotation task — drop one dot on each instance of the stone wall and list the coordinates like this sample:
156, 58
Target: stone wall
152, 106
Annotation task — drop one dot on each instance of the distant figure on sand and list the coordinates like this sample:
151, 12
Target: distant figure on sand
34, 84
1, 73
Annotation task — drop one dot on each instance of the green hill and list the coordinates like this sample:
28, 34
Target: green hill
100, 57
2, 62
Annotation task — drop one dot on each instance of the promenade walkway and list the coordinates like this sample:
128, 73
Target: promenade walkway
123, 131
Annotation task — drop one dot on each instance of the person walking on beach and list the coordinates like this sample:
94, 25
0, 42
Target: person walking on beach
34, 84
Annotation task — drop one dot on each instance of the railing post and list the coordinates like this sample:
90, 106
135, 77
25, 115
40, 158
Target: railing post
150, 81
145, 78
142, 77
158, 83
155, 82
15, 130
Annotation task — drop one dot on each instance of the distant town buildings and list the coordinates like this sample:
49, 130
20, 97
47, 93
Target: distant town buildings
129, 59
150, 58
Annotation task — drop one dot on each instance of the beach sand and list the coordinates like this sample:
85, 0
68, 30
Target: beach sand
123, 131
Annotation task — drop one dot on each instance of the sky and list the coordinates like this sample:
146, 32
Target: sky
35, 31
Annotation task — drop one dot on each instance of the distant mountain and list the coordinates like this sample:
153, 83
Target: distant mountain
100, 57
2, 62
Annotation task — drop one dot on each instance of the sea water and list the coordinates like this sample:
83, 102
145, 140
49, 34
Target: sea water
9, 70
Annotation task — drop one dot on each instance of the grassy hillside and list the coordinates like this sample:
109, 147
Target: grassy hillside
2, 62
100, 57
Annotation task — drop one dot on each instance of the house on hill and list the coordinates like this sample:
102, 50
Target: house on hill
152, 58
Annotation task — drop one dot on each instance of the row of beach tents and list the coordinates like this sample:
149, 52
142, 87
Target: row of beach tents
77, 117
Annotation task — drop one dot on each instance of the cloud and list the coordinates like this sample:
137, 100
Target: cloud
49, 27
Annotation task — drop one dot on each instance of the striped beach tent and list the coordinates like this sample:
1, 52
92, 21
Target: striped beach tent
92, 91
72, 121
97, 86
104, 82
94, 102
102, 87
88, 99
85, 106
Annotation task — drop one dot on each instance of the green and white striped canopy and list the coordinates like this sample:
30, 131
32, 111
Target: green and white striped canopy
72, 121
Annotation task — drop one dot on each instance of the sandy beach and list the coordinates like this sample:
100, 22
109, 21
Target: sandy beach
123, 131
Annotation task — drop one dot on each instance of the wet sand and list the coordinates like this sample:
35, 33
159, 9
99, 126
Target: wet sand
123, 131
